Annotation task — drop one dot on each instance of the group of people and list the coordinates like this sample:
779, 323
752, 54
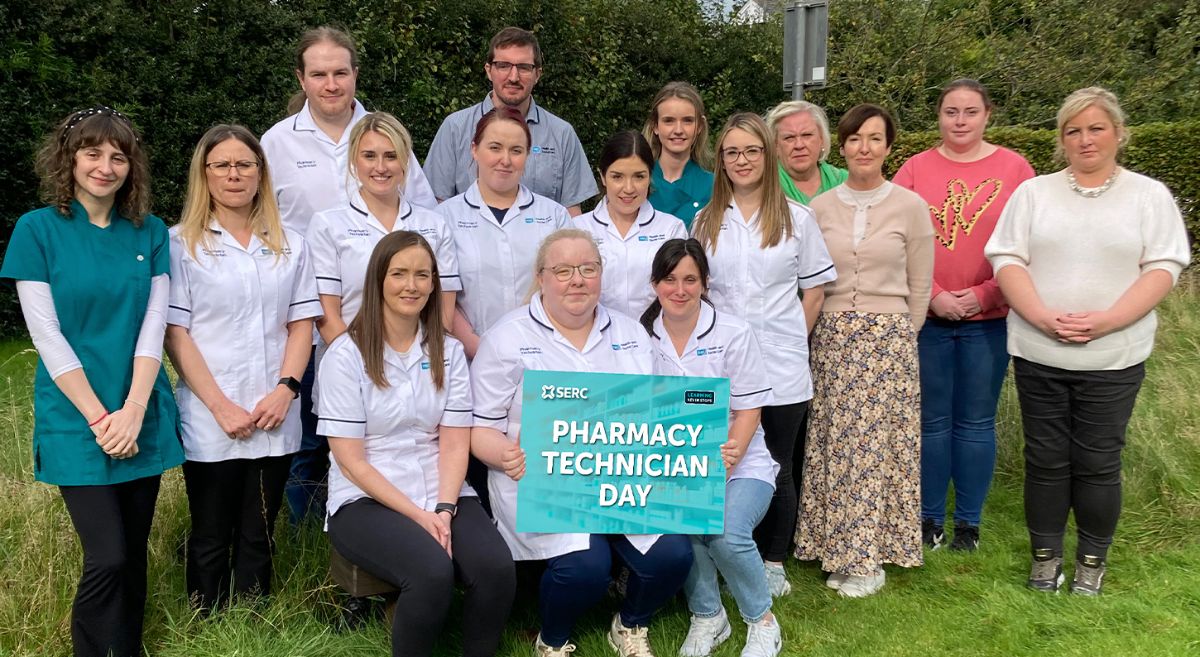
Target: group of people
325, 297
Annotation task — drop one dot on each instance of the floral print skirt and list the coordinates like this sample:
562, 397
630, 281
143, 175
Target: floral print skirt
860, 505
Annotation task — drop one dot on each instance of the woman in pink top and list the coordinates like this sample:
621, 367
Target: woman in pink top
966, 181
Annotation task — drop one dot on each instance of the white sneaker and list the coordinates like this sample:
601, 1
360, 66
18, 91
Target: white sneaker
860, 586
629, 641
763, 639
542, 650
777, 582
705, 635
836, 580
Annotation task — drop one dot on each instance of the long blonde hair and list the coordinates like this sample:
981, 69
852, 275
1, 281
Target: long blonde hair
701, 152
198, 204
774, 216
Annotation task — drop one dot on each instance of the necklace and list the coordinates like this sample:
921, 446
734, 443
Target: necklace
1091, 192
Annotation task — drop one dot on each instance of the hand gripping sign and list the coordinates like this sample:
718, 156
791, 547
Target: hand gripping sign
622, 453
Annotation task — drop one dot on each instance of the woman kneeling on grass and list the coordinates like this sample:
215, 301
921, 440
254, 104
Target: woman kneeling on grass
692, 338
396, 405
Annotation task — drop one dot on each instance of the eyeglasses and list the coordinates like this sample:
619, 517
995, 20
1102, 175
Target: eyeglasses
565, 273
244, 168
524, 70
752, 153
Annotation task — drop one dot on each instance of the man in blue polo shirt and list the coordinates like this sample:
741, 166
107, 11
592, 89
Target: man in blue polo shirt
557, 166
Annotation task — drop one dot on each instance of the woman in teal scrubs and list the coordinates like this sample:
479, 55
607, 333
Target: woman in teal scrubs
91, 273
682, 180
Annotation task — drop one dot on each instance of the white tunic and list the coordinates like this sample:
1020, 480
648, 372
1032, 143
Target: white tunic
762, 286
524, 339
236, 303
723, 346
398, 424
495, 260
627, 258
343, 238
310, 171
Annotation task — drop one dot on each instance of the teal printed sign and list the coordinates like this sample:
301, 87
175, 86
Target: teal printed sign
622, 453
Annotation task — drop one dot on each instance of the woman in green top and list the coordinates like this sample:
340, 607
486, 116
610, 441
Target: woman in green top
801, 132
91, 273
682, 180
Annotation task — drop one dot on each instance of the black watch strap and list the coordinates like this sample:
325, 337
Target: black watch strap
452, 509
292, 385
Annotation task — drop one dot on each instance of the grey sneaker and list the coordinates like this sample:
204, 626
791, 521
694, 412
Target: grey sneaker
777, 582
1089, 575
629, 641
542, 650
1046, 574
763, 639
705, 634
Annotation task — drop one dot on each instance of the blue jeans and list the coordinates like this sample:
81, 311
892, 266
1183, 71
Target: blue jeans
734, 554
573, 583
962, 368
306, 486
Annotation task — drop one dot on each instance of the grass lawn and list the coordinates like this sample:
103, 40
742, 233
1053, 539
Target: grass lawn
957, 604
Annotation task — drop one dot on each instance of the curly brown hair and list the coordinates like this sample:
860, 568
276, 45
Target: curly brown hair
55, 163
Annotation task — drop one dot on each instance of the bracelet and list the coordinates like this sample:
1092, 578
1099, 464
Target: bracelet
131, 400
98, 420
446, 507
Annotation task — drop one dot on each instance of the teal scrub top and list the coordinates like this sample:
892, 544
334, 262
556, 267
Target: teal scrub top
100, 281
684, 197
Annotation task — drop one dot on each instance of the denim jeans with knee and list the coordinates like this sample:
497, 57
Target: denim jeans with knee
962, 368
734, 555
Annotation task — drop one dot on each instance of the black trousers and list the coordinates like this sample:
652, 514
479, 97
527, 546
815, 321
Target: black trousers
113, 524
784, 431
400, 552
233, 505
1075, 425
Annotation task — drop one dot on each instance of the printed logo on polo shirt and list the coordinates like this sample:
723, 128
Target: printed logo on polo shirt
358, 232
547, 150
626, 346
306, 164
699, 397
540, 220
560, 392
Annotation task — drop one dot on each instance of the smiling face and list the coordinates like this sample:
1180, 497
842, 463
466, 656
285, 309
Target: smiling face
677, 125
742, 156
378, 166
962, 119
680, 291
100, 171
866, 149
576, 298
407, 283
512, 87
236, 188
798, 141
500, 156
328, 81
626, 185
1091, 140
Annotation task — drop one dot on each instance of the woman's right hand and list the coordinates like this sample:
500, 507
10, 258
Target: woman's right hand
946, 306
436, 526
513, 461
234, 420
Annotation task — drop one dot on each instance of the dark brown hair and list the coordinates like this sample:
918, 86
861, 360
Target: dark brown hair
853, 119
515, 36
668, 257
367, 328
55, 163
970, 85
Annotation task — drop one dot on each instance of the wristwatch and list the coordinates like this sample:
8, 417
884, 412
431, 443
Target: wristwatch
292, 385
452, 509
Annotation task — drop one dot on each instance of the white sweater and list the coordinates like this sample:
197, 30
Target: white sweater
1083, 254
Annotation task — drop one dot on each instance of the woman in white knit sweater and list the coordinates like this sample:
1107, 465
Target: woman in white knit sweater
1083, 256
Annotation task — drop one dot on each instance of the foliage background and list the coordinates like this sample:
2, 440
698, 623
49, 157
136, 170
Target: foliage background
178, 67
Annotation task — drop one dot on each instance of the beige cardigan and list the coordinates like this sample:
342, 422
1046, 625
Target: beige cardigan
891, 269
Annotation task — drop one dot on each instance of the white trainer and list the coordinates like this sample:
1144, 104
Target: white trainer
860, 586
629, 641
705, 634
540, 649
763, 639
836, 580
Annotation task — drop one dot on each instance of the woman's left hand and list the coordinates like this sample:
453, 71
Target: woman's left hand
731, 454
1084, 327
969, 302
119, 439
272, 410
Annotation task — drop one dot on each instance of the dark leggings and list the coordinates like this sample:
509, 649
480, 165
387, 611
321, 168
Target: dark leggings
1075, 425
397, 550
113, 523
233, 505
574, 582
784, 431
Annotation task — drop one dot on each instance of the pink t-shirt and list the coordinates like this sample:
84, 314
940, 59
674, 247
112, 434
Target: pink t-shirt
965, 200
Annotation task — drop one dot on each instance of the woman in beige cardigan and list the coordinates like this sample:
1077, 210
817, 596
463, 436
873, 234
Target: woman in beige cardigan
860, 506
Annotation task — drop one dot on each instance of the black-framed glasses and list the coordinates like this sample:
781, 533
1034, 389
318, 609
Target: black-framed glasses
503, 68
752, 154
244, 167
564, 273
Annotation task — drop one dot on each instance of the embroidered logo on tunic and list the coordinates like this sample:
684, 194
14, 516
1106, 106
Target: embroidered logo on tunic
358, 232
962, 208
529, 351
306, 164
468, 224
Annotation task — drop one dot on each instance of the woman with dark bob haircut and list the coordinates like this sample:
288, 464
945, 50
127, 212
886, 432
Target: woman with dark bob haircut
861, 505
91, 273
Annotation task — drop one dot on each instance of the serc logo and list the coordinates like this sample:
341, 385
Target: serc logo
560, 392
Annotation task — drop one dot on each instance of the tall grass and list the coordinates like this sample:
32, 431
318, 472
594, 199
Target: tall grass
957, 604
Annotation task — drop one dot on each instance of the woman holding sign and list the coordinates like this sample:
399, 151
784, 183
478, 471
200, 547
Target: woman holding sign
691, 338
396, 405
565, 328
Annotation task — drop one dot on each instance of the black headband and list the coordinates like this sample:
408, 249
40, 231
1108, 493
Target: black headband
104, 110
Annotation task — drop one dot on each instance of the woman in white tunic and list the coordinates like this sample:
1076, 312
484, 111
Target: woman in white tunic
628, 229
243, 298
763, 250
396, 405
692, 338
565, 328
